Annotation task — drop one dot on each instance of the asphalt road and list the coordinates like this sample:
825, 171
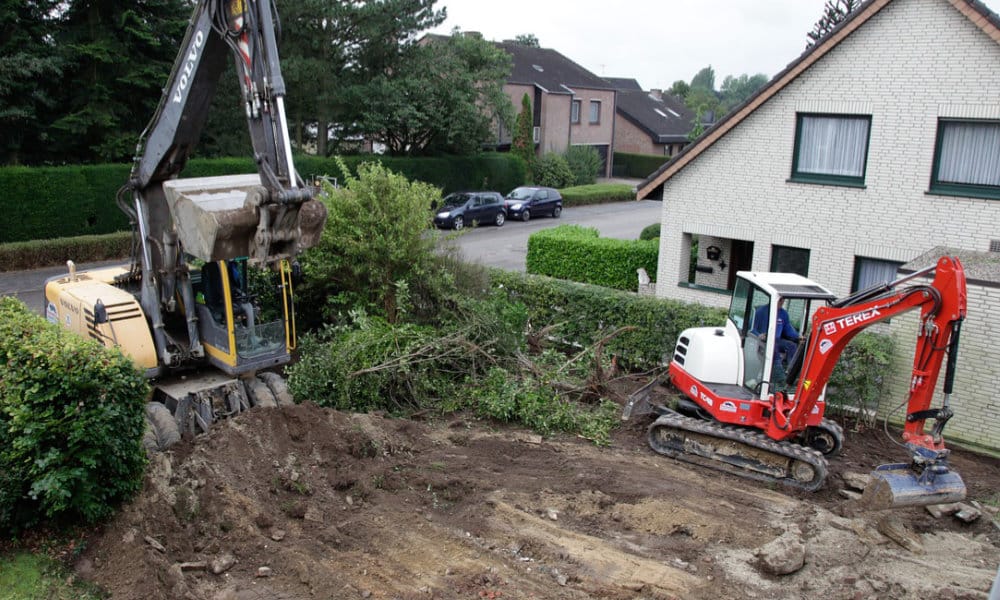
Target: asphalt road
504, 247
507, 246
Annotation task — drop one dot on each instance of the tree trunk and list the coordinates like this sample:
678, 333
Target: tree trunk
321, 134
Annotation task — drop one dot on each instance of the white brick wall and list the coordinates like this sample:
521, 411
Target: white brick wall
915, 61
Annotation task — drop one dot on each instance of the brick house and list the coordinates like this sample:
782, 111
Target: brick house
875, 145
649, 122
571, 106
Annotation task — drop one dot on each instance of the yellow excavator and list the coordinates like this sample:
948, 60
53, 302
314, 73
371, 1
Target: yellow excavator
206, 307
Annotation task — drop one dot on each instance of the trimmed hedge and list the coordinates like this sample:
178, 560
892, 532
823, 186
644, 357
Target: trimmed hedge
52, 202
578, 254
71, 424
584, 313
641, 166
18, 256
597, 193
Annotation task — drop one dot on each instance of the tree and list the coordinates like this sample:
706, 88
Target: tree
526, 39
704, 79
117, 56
834, 13
523, 144
735, 90
445, 97
29, 71
680, 88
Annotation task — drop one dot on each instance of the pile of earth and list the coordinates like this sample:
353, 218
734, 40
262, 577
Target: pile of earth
306, 502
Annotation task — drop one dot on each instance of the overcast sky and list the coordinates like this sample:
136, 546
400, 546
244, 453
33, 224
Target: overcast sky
656, 42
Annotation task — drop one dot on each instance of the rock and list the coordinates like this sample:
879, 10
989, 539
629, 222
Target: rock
552, 514
278, 535
850, 494
784, 555
967, 514
222, 563
895, 530
986, 508
856, 481
264, 572
155, 544
199, 565
314, 514
948, 509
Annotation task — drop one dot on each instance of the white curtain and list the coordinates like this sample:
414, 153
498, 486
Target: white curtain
871, 272
833, 146
970, 153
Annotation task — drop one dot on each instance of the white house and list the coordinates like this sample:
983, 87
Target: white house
876, 145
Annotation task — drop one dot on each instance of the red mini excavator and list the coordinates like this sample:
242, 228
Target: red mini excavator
752, 400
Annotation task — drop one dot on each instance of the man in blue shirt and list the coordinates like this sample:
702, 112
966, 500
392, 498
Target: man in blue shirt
788, 338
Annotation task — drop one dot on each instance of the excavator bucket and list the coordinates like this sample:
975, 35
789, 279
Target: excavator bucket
899, 485
221, 218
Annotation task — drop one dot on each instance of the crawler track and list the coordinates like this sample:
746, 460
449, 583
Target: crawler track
743, 452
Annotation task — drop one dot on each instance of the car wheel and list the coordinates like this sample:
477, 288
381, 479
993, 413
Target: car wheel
458, 223
500, 219
526, 215
556, 212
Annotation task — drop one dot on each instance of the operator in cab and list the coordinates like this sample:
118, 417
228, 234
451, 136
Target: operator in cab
788, 337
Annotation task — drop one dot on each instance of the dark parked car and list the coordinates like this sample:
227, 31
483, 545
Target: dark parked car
470, 208
526, 202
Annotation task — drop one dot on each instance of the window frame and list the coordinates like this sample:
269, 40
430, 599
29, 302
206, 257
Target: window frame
822, 178
777, 249
856, 276
951, 188
576, 107
591, 119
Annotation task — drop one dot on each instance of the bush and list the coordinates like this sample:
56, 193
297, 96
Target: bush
585, 164
597, 193
17, 256
650, 232
582, 313
578, 254
71, 424
638, 165
857, 379
552, 170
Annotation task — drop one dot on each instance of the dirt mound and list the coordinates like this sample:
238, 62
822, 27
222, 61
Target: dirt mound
305, 502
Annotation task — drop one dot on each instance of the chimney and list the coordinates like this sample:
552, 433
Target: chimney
657, 94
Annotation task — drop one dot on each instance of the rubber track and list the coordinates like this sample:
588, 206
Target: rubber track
746, 437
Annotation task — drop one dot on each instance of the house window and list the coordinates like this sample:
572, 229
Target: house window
871, 271
785, 259
595, 112
574, 112
967, 159
831, 149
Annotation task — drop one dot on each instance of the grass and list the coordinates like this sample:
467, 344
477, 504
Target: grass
27, 576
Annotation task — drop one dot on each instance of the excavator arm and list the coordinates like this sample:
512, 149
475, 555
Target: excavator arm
942, 305
267, 217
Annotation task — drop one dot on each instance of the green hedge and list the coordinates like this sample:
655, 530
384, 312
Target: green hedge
597, 193
578, 254
53, 202
71, 424
642, 166
17, 256
583, 313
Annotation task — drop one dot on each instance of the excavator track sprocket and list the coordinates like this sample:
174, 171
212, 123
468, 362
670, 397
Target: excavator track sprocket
743, 452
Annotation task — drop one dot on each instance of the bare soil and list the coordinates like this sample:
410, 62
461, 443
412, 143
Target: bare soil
306, 502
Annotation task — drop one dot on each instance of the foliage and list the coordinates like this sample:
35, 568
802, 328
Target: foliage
446, 97
578, 254
834, 12
373, 252
584, 162
71, 424
523, 144
52, 202
650, 232
680, 88
526, 39
552, 170
735, 90
18, 256
117, 55
24, 575
30, 68
704, 79
596, 194
579, 313
638, 165
857, 379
